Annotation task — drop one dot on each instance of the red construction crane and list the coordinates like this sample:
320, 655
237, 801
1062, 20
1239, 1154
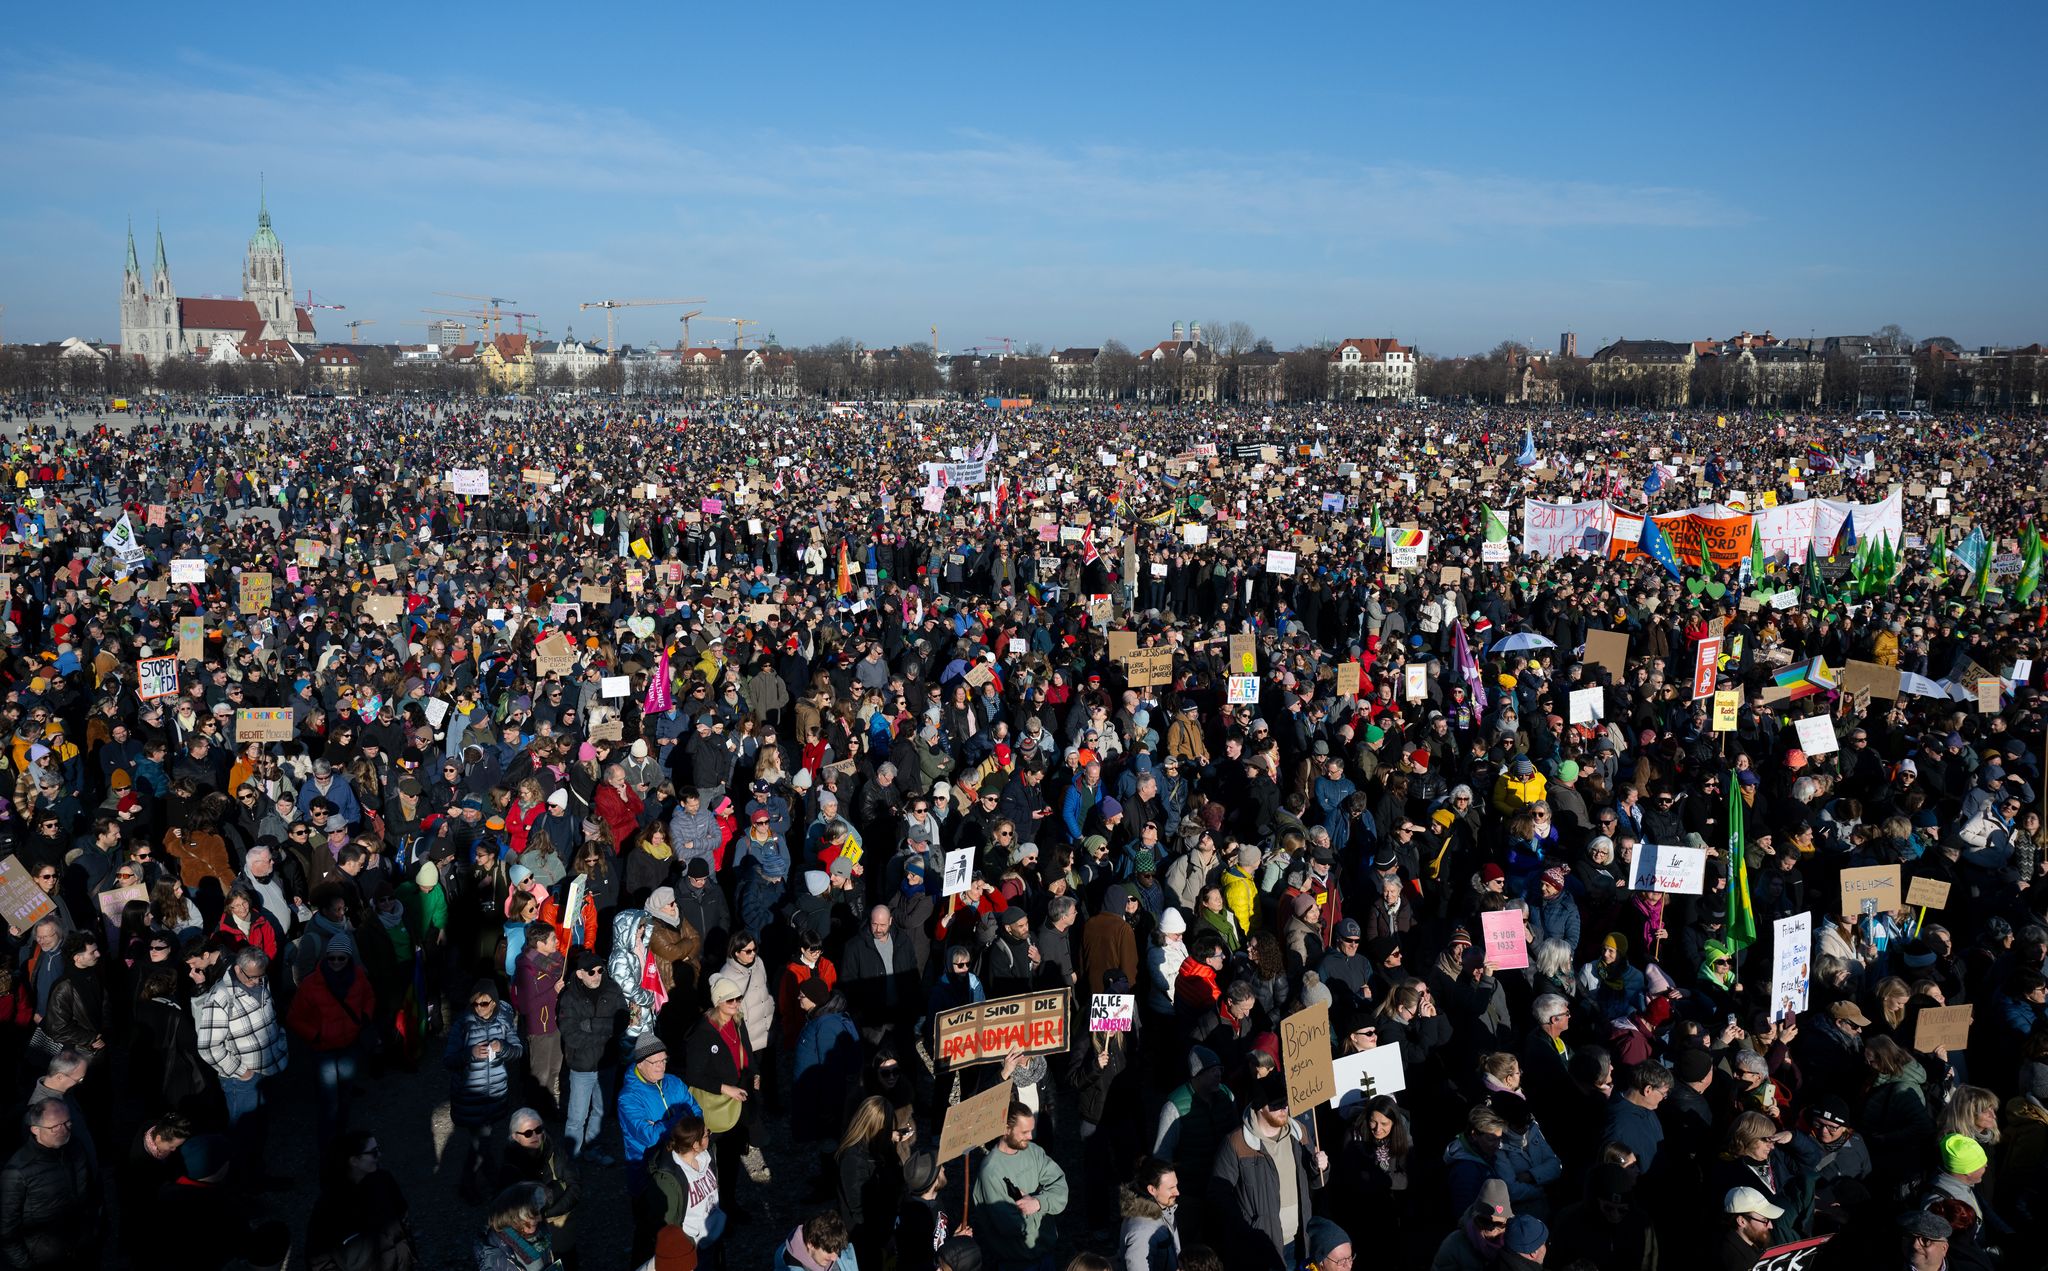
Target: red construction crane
310, 303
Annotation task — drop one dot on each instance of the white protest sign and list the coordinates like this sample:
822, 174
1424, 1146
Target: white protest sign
1678, 870
469, 481
1365, 1076
1817, 735
616, 686
188, 571
156, 677
1112, 1012
1244, 690
1791, 961
1588, 704
959, 871
1415, 682
1279, 562
437, 710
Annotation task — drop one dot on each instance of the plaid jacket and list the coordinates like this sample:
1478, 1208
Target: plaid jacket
238, 1029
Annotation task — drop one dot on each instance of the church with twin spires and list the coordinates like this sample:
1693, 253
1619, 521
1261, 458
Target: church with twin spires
157, 323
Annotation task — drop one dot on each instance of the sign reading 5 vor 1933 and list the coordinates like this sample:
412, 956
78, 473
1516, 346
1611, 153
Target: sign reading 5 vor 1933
984, 1032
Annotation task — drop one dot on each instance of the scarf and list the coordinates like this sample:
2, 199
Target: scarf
659, 851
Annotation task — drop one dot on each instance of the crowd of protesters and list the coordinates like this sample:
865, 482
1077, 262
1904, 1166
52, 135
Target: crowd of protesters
618, 801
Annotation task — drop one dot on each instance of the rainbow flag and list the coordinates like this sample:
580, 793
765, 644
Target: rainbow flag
1406, 538
1806, 678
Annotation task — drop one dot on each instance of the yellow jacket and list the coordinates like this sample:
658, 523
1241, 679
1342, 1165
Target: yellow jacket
1511, 795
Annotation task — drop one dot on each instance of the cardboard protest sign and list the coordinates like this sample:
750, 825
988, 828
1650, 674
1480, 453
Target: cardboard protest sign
975, 1121
263, 723
1939, 1026
1347, 679
1928, 893
191, 639
594, 595
1506, 935
1870, 889
21, 901
1244, 655
1879, 680
553, 656
156, 677
1122, 644
1608, 649
385, 573
1305, 1056
384, 610
1149, 667
1989, 695
610, 730
984, 1032
1112, 1012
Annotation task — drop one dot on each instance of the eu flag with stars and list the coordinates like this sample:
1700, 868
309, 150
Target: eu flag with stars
1658, 547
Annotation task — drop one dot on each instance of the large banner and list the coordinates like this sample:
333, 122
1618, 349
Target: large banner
1600, 527
1560, 529
984, 1032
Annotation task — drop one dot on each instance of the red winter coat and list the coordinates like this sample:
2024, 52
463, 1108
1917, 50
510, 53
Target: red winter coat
518, 822
619, 812
326, 1023
262, 933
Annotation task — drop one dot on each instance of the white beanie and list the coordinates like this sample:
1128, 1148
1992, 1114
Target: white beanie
1171, 923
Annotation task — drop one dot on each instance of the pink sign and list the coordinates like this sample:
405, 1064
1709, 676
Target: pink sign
1507, 939
711, 507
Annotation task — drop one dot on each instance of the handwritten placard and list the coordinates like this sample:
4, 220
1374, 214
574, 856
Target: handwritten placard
23, 903
263, 723
1507, 939
1678, 870
1928, 893
1870, 889
1939, 1026
1112, 1012
1305, 1054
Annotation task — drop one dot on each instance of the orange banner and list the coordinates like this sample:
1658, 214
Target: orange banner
1727, 537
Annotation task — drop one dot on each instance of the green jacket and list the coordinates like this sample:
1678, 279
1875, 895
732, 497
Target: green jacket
1005, 1231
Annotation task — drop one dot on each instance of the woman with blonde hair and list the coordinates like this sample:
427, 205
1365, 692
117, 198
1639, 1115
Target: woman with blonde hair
870, 1174
1752, 1159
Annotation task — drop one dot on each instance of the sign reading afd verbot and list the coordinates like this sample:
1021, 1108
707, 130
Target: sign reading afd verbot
984, 1032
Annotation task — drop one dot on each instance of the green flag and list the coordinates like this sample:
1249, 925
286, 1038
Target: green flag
1496, 525
1379, 527
1937, 555
1741, 916
2030, 565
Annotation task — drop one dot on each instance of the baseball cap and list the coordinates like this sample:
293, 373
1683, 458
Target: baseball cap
1848, 1013
1748, 1200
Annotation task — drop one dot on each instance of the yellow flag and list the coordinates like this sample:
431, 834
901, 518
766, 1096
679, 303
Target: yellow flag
641, 549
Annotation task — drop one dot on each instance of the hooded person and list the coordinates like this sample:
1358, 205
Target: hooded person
1109, 941
1148, 1237
1479, 1239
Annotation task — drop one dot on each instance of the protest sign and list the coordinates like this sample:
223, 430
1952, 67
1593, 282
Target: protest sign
1279, 562
1791, 964
1608, 649
1879, 680
1244, 655
1347, 679
1800, 1255
1817, 735
1243, 690
1869, 890
188, 570
615, 686
1305, 1054
156, 677
553, 656
22, 902
255, 592
1122, 644
191, 639
984, 1032
1414, 682
1149, 667
1939, 1026
610, 730
975, 1121
959, 871
469, 481
263, 723
1989, 695
1112, 1012
1366, 1075
1507, 939
384, 610
437, 710
1705, 667
1928, 893
1727, 705
1678, 870
593, 595
1586, 705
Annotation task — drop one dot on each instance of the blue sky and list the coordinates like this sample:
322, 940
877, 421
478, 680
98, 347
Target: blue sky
1453, 175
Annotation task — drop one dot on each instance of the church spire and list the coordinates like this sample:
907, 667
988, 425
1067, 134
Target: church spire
134, 265
162, 266
262, 201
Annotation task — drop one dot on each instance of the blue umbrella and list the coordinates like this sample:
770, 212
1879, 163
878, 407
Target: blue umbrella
1522, 642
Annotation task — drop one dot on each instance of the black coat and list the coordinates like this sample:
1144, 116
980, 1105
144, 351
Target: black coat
164, 1067
867, 981
592, 1021
49, 1206
709, 1063
78, 1010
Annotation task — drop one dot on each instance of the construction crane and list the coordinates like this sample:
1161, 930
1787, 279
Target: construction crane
611, 315
359, 322
739, 329
1007, 342
520, 318
310, 303
492, 301
686, 327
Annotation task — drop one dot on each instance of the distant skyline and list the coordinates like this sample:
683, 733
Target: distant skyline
1063, 176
